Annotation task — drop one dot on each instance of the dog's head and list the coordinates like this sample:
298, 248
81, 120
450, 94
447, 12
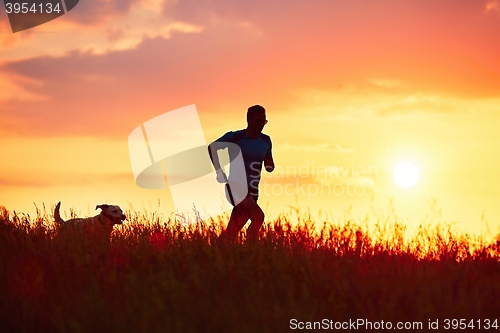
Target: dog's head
113, 213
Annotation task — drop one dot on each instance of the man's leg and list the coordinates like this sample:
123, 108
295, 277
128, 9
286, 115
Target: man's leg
239, 217
256, 215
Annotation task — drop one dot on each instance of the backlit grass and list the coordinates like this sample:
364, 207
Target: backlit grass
156, 275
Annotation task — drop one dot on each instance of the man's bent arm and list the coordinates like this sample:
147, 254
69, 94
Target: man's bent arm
269, 164
213, 148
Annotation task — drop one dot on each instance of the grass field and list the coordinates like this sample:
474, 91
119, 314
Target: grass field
158, 276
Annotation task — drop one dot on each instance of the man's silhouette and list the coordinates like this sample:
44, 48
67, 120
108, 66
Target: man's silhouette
256, 148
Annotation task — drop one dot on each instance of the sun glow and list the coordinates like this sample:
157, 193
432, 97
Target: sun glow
406, 174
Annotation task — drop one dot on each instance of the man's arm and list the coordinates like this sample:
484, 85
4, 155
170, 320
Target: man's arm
212, 152
269, 164
268, 160
214, 157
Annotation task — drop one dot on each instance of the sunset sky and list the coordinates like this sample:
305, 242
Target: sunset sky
351, 89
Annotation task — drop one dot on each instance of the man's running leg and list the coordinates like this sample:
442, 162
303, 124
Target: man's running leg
256, 215
239, 217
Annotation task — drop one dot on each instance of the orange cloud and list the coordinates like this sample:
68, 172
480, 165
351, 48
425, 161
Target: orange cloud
215, 53
493, 5
12, 87
111, 93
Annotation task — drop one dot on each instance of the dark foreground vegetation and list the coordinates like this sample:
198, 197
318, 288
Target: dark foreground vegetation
159, 276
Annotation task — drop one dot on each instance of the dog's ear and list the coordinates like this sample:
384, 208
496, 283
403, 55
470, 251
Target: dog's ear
103, 207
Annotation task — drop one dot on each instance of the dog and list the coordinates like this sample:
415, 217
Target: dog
101, 224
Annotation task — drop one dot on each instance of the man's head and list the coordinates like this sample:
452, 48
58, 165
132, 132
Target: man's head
256, 118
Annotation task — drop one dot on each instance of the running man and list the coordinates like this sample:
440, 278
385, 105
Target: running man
256, 148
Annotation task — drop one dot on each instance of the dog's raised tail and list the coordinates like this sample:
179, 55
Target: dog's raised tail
57, 217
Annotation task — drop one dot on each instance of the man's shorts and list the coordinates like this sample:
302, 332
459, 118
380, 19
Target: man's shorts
253, 195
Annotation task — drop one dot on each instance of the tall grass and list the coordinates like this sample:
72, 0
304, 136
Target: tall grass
157, 275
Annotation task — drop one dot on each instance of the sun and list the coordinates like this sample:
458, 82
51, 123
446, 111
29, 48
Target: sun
406, 174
